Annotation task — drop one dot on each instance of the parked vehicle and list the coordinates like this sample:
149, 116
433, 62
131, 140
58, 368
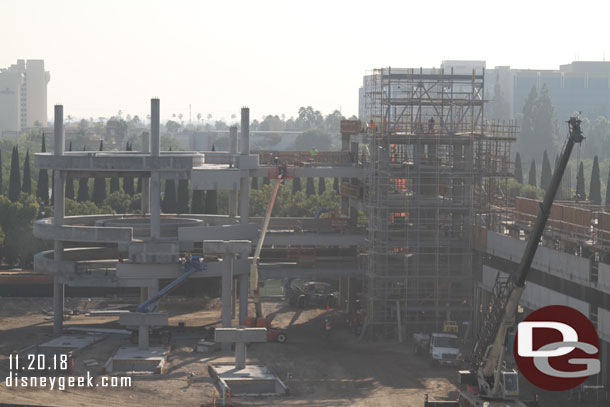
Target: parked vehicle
442, 348
311, 294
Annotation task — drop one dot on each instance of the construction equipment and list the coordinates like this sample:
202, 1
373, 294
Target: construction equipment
188, 265
273, 334
487, 381
281, 173
312, 293
441, 348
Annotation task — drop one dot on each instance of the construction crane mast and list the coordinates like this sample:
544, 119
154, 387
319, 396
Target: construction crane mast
487, 379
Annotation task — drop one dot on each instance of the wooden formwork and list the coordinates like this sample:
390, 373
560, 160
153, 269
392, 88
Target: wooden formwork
603, 227
300, 158
563, 219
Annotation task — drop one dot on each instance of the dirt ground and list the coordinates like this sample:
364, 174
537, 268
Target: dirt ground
339, 371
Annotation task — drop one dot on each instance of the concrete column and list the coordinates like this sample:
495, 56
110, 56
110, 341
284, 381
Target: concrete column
143, 294
234, 298
244, 146
240, 355
155, 112
145, 180
59, 208
58, 305
227, 280
244, 187
244, 281
60, 140
153, 289
233, 150
155, 205
143, 336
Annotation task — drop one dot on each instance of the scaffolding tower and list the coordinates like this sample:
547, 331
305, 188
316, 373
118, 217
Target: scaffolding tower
430, 160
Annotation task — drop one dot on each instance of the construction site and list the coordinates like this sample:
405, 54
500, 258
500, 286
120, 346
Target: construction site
426, 235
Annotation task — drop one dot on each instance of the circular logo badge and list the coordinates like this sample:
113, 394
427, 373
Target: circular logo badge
556, 348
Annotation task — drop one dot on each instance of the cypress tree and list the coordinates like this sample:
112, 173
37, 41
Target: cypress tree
14, 184
128, 181
198, 201
69, 181
99, 185
545, 176
595, 188
169, 204
310, 188
518, 169
183, 196
83, 188
321, 185
27, 175
532, 175
336, 184
254, 183
211, 204
115, 185
1, 174
296, 185
580, 183
607, 203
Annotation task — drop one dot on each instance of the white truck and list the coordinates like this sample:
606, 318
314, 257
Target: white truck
442, 348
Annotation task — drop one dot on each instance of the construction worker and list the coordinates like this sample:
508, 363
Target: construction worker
314, 152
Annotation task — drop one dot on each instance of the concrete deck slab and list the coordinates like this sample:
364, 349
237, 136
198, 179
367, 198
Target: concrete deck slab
71, 342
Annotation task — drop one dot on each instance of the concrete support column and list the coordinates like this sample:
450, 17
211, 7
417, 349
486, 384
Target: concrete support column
240, 355
59, 208
60, 140
233, 150
143, 336
227, 280
244, 281
58, 305
233, 298
155, 111
155, 205
153, 289
143, 294
345, 140
145, 180
244, 191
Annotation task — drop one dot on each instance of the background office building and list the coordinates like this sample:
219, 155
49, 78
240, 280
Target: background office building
23, 95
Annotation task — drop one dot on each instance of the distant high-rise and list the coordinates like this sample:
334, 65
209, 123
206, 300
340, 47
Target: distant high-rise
23, 95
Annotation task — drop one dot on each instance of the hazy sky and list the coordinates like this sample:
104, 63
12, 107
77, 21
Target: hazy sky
275, 56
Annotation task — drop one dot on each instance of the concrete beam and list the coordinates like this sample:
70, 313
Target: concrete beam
247, 335
225, 232
241, 247
315, 239
144, 318
219, 179
44, 229
172, 271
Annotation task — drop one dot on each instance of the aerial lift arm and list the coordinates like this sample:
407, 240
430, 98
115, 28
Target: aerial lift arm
489, 367
259, 246
189, 265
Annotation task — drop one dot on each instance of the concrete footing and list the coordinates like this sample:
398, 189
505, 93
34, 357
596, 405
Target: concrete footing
136, 360
252, 380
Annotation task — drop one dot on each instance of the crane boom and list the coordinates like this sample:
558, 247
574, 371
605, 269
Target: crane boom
488, 351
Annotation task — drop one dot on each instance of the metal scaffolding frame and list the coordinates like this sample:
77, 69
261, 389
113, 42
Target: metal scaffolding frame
431, 164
